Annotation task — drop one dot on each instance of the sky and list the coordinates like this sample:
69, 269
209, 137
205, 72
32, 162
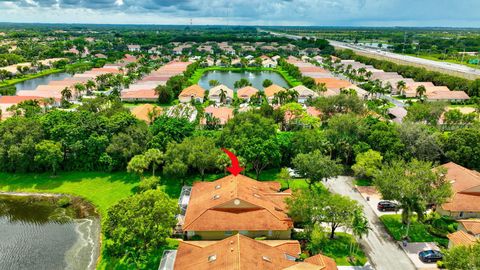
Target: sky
419, 13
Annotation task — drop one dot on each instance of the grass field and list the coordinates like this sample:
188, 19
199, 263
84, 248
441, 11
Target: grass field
339, 248
417, 233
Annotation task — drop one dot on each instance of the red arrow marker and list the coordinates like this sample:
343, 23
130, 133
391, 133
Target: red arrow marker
235, 169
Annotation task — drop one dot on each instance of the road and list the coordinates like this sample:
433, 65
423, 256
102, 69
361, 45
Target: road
408, 58
437, 64
383, 252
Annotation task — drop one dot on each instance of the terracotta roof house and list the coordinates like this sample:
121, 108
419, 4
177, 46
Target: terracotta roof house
446, 95
333, 83
8, 101
239, 252
460, 238
271, 90
146, 112
215, 93
223, 114
194, 92
237, 204
471, 226
246, 92
304, 93
269, 63
133, 48
465, 201
139, 95
411, 90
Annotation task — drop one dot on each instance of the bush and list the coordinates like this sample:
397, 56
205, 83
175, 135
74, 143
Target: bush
149, 183
440, 265
64, 202
196, 238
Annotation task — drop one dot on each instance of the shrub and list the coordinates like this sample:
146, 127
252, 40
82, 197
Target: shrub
149, 183
64, 202
196, 238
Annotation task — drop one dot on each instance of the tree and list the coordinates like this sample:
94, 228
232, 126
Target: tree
66, 93
138, 164
79, 88
154, 158
202, 153
266, 83
420, 91
242, 83
284, 175
316, 167
413, 185
462, 146
313, 207
462, 257
252, 137
213, 83
419, 141
177, 169
165, 94
222, 95
401, 86
367, 163
359, 227
138, 225
49, 153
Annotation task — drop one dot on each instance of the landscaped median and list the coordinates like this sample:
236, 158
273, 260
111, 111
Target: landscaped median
418, 232
197, 75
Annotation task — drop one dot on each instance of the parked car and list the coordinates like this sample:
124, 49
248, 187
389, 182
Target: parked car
387, 206
428, 256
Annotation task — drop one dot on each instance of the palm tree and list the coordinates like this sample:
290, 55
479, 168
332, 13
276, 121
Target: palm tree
421, 90
79, 88
401, 86
66, 93
320, 88
223, 96
360, 228
47, 102
89, 86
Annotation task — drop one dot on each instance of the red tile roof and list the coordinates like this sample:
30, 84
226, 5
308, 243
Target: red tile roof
239, 252
466, 189
237, 201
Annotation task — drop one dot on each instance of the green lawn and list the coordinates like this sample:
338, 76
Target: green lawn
418, 231
339, 250
363, 182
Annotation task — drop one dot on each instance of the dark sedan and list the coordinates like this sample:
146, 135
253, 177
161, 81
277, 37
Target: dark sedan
428, 256
387, 206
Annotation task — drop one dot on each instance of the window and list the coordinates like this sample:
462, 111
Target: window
290, 257
244, 232
212, 258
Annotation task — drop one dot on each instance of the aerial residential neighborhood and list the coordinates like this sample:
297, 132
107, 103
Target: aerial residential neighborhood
277, 135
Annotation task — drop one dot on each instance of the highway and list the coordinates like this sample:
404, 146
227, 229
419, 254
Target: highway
436, 64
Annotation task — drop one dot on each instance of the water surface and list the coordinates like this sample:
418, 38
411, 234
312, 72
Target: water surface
33, 83
39, 235
229, 78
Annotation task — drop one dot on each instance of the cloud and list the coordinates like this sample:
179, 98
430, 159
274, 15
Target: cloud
269, 12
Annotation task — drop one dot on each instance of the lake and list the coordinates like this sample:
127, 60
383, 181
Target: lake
36, 234
33, 83
229, 78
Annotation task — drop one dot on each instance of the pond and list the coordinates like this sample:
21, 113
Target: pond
229, 78
33, 83
37, 234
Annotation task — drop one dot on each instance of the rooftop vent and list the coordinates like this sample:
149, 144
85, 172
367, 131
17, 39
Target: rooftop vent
212, 258
218, 186
215, 197
266, 258
256, 195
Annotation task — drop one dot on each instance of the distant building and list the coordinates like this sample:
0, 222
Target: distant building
215, 94
194, 92
133, 48
304, 93
246, 92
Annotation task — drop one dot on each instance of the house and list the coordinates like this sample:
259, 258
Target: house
444, 94
220, 93
246, 92
411, 88
146, 112
271, 90
269, 63
223, 114
333, 83
243, 253
304, 93
139, 95
465, 201
460, 238
194, 92
471, 226
133, 48
8, 101
237, 204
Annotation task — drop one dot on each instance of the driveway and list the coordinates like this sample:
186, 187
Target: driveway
383, 252
412, 250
